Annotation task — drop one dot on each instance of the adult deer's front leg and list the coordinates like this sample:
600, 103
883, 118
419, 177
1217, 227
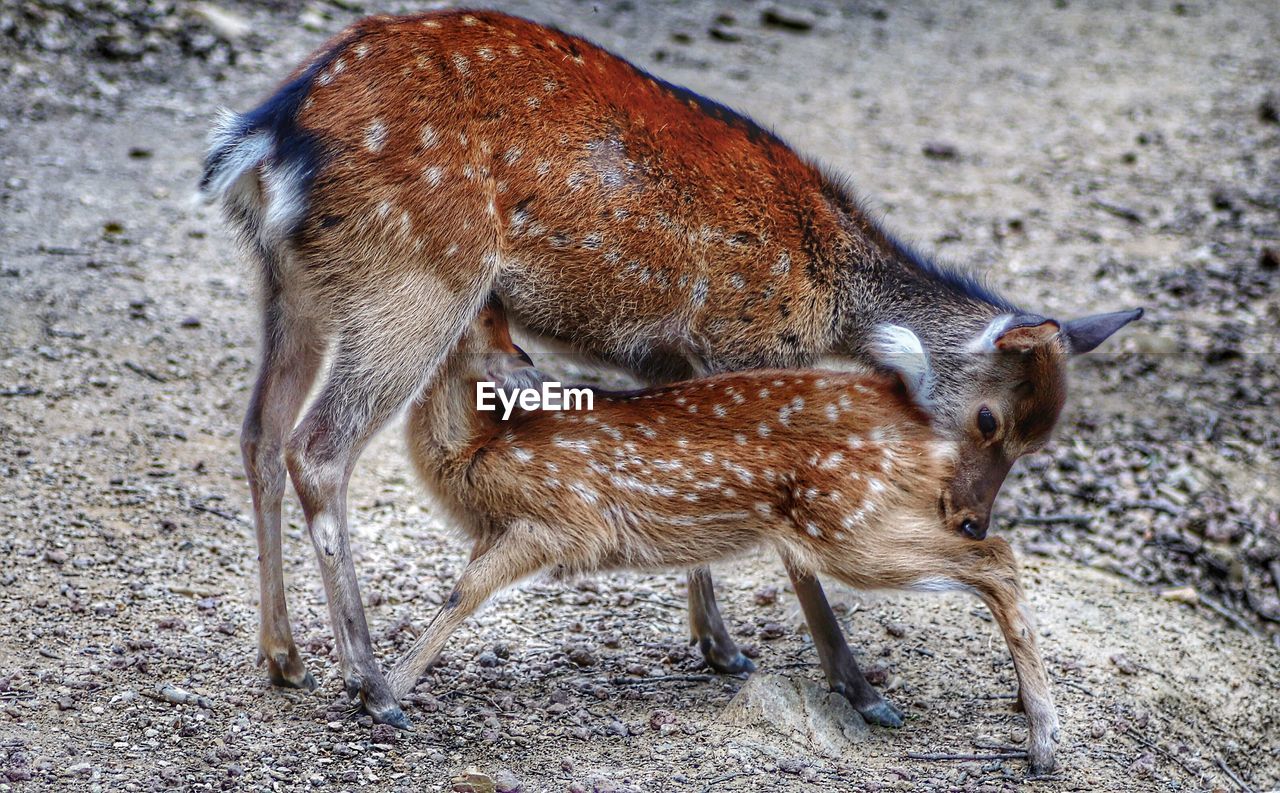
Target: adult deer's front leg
842, 671
707, 629
384, 356
290, 357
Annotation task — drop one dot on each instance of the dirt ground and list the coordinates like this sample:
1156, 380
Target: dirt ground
1089, 156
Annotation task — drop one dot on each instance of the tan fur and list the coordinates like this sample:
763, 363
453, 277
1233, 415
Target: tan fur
841, 473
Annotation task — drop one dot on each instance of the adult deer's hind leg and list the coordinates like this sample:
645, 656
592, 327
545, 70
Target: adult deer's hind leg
291, 350
389, 345
842, 671
707, 629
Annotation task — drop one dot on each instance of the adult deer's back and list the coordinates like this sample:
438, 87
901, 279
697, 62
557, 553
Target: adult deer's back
415, 163
479, 146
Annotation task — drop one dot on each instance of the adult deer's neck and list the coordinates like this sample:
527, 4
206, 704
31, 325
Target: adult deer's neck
887, 282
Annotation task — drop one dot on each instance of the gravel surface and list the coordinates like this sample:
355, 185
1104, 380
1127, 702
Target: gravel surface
1089, 158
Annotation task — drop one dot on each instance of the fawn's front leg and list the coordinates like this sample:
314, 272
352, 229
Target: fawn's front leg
997, 583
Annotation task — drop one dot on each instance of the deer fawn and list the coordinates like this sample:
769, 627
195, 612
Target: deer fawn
841, 473
415, 163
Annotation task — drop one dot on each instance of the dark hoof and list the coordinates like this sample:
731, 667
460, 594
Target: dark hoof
882, 714
352, 686
393, 716
288, 671
737, 665
307, 683
726, 663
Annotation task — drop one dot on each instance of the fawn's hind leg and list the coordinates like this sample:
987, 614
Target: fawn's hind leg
707, 629
842, 671
291, 350
389, 344
508, 560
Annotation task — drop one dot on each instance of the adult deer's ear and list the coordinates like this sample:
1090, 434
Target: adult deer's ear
1015, 333
1086, 333
899, 348
1025, 332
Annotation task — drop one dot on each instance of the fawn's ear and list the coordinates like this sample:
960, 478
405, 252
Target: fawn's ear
898, 348
512, 370
1086, 333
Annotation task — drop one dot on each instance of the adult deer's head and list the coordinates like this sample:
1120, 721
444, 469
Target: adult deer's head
997, 401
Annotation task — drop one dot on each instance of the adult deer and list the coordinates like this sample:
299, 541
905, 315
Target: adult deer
415, 163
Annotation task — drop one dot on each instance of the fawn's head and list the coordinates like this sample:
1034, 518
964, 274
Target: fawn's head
487, 352
1000, 399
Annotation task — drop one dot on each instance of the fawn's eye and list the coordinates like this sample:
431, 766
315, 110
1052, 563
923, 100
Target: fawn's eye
986, 422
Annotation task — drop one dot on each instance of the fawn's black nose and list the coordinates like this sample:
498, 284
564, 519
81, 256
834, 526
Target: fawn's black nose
973, 528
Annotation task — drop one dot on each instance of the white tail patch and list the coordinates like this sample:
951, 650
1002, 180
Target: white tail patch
242, 153
900, 349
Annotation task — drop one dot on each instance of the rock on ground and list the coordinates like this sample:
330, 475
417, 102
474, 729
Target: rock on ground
799, 710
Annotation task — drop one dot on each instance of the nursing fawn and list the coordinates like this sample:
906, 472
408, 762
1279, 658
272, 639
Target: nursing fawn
842, 474
413, 164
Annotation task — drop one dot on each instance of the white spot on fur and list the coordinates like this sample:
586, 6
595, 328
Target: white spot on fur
361, 50
433, 176
763, 430
813, 530
470, 21
831, 461
375, 135
783, 265
700, 290
429, 136
523, 455
986, 341
485, 54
